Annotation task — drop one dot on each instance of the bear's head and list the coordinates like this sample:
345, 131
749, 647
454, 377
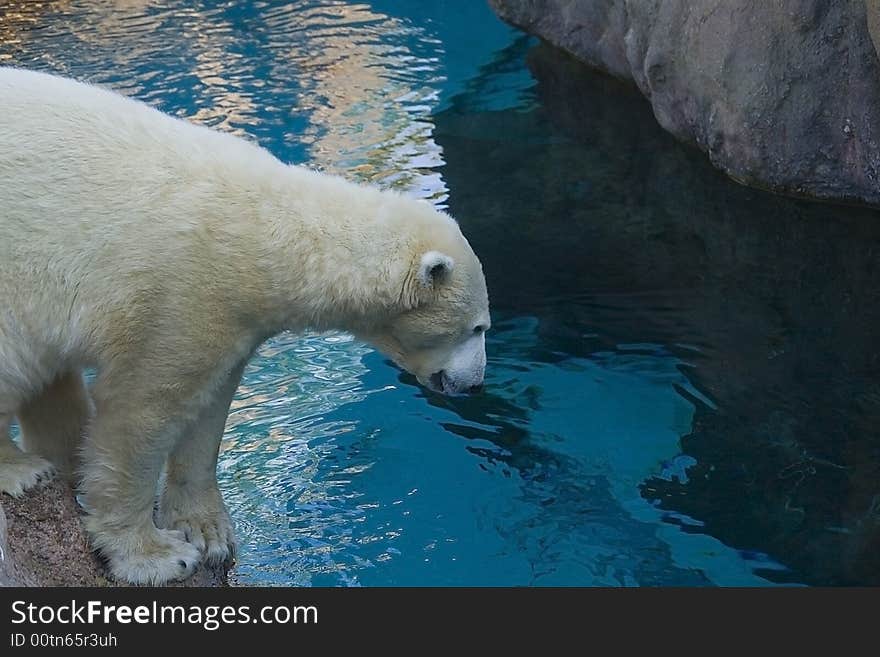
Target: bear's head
437, 331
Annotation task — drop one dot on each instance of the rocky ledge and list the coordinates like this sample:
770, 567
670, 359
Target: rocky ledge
42, 543
780, 95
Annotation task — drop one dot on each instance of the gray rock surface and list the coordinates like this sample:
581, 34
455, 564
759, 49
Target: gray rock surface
781, 95
43, 543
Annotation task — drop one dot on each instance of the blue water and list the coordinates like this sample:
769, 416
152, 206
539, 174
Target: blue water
604, 358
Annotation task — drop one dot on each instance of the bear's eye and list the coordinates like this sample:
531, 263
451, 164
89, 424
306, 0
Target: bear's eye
480, 328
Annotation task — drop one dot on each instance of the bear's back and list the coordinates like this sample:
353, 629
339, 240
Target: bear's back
87, 174
86, 131
41, 107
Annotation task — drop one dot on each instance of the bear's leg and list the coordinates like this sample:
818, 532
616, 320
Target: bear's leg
52, 423
138, 420
191, 501
18, 471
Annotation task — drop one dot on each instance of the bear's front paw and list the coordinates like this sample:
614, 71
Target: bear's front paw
154, 557
20, 471
203, 520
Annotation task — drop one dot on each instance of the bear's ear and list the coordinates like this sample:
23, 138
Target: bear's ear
434, 268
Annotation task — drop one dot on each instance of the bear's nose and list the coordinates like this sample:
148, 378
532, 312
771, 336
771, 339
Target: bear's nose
475, 389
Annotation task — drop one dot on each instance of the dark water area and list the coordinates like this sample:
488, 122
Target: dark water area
591, 218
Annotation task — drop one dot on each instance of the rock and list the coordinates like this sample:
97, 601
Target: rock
9, 574
43, 543
780, 95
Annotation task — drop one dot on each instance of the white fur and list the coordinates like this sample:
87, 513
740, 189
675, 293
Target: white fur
467, 361
162, 253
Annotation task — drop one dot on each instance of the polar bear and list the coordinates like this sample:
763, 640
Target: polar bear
162, 254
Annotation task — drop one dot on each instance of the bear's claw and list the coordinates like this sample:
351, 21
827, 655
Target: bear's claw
204, 523
23, 471
157, 559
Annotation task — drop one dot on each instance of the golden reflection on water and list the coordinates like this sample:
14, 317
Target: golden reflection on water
231, 109
25, 25
16, 19
367, 120
345, 67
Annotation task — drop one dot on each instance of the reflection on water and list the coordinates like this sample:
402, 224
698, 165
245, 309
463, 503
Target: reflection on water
340, 86
681, 380
770, 303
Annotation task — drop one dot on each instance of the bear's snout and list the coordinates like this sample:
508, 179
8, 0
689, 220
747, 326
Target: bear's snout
463, 370
450, 385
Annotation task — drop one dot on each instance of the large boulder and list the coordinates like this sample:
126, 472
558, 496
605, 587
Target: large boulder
781, 95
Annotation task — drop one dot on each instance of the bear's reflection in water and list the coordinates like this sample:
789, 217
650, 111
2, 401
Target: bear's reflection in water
600, 224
